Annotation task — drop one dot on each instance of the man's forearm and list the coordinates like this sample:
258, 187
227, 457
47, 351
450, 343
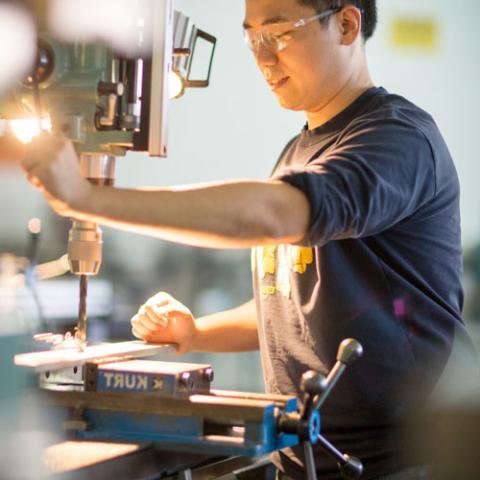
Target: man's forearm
230, 331
227, 215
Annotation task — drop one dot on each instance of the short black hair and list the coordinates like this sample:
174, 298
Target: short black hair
368, 8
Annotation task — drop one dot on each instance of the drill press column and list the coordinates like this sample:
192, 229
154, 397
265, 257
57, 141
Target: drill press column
85, 238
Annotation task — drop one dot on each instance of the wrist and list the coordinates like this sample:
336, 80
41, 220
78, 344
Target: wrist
198, 336
79, 197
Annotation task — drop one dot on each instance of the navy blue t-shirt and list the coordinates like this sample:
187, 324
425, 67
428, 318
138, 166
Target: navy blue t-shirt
381, 263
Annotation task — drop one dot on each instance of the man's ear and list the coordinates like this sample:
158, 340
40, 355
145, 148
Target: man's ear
350, 23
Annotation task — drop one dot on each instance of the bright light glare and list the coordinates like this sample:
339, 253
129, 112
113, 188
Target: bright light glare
176, 87
120, 23
18, 44
26, 129
35, 225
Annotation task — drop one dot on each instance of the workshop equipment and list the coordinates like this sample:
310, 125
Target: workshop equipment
107, 104
107, 393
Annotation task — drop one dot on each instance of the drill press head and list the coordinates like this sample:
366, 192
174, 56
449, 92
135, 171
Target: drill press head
106, 100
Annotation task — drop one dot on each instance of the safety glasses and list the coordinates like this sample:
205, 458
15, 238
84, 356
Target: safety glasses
275, 36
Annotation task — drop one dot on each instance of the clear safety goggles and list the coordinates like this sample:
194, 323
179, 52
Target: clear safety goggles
275, 36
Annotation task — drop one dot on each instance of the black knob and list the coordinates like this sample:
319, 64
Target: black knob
352, 469
348, 351
313, 383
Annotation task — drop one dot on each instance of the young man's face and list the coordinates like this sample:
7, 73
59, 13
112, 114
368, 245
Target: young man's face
306, 73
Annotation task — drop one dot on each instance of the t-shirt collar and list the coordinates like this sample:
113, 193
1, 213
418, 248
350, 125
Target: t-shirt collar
342, 119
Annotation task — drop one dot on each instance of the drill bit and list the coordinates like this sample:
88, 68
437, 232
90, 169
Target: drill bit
81, 331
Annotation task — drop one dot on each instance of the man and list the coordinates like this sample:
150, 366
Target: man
357, 234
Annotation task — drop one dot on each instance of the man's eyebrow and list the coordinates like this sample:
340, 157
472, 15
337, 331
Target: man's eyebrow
277, 19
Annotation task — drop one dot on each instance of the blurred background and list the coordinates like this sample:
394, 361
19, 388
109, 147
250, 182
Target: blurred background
424, 51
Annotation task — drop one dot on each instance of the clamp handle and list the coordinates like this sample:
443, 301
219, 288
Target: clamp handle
316, 389
348, 351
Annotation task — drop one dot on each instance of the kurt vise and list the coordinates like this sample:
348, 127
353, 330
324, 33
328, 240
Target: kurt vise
110, 393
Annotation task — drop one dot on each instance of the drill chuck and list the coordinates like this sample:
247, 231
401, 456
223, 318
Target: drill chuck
85, 248
85, 238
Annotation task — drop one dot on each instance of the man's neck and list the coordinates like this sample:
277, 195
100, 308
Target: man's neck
338, 102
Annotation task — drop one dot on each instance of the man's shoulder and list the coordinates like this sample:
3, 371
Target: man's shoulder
386, 111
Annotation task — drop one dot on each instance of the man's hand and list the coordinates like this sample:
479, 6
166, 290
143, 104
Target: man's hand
162, 319
52, 166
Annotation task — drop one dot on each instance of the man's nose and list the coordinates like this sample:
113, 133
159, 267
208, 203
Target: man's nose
266, 56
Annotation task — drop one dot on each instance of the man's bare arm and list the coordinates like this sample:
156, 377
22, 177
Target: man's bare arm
229, 215
225, 215
163, 319
229, 331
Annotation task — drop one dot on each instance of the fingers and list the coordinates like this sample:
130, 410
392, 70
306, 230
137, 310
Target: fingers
161, 298
137, 333
155, 318
138, 329
162, 319
150, 321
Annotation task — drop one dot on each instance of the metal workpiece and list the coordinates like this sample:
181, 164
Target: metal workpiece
57, 360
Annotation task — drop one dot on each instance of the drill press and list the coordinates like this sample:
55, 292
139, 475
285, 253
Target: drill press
107, 103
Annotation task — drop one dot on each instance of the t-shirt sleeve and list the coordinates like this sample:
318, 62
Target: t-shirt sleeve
377, 174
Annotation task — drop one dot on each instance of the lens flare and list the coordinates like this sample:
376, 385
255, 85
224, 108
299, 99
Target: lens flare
26, 129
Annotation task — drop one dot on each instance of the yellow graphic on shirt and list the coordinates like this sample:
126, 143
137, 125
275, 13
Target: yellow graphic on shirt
279, 262
301, 257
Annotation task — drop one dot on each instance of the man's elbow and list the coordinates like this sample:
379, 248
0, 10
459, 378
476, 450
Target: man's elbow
289, 215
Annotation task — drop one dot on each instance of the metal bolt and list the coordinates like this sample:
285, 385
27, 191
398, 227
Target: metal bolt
208, 374
184, 379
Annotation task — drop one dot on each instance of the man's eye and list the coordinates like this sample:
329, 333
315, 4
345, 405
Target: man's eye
279, 37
